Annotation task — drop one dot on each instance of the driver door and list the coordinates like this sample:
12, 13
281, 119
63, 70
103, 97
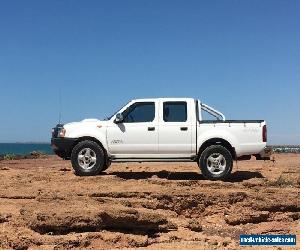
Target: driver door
137, 135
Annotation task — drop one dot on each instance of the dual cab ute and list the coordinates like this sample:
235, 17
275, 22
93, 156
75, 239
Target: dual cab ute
162, 129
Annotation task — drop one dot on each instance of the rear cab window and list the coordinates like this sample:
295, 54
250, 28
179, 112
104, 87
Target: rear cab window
175, 111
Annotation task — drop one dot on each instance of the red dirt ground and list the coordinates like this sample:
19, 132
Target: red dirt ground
149, 205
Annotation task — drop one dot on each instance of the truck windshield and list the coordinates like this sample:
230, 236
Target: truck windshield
109, 117
118, 110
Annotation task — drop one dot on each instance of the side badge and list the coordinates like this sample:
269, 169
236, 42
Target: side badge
116, 141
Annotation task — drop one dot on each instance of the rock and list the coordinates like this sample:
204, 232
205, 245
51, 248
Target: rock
36, 154
194, 226
236, 197
4, 217
113, 219
247, 217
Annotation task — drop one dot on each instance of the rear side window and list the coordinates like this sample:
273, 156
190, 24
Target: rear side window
140, 112
175, 111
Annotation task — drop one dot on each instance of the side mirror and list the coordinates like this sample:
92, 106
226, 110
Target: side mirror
119, 118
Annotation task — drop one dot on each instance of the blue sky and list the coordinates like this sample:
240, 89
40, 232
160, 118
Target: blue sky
241, 57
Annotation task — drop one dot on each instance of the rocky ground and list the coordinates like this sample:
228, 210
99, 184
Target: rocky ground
150, 205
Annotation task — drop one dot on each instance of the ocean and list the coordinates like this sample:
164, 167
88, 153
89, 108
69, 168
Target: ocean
24, 148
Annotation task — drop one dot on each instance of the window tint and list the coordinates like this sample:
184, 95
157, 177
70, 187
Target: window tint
175, 112
140, 112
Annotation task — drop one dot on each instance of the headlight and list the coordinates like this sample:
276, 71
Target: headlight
61, 133
58, 131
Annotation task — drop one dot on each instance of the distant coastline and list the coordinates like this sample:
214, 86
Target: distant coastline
33, 142
286, 149
21, 148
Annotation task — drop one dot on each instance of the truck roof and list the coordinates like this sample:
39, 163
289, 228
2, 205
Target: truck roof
165, 99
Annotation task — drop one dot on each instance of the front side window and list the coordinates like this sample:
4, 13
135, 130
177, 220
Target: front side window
175, 111
139, 112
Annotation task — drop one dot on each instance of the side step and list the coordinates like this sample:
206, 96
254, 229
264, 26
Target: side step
153, 159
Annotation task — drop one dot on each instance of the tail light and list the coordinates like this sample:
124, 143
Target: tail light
264, 133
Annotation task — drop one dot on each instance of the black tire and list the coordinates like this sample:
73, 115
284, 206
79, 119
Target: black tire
226, 162
96, 166
106, 165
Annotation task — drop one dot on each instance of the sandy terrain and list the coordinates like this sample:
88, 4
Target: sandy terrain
150, 205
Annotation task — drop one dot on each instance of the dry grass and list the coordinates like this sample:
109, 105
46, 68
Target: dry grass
283, 181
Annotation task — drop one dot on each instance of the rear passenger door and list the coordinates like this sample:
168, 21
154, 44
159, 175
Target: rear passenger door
175, 132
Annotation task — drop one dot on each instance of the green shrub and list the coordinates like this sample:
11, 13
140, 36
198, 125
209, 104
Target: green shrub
9, 157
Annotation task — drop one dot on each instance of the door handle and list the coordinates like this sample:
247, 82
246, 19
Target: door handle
151, 128
184, 128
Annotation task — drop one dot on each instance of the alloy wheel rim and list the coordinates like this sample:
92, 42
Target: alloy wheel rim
216, 163
87, 158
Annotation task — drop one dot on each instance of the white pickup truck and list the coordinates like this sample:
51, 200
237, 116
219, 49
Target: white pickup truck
161, 129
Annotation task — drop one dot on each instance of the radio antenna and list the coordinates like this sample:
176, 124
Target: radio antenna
60, 111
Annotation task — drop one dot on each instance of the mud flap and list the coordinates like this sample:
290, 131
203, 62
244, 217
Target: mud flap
265, 154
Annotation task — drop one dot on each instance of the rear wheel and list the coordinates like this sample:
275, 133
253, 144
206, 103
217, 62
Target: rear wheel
87, 158
216, 162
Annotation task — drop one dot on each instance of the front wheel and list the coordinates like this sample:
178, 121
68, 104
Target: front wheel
87, 158
216, 162
106, 165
